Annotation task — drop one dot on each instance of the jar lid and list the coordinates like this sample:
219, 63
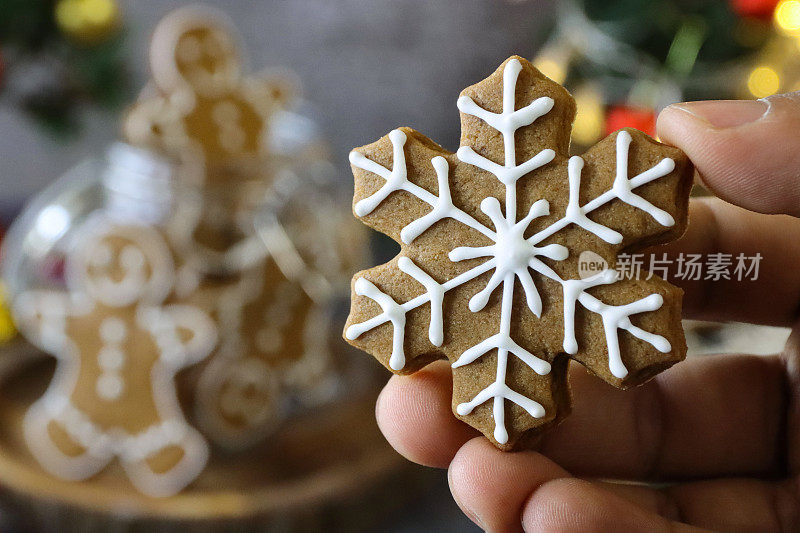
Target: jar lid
138, 183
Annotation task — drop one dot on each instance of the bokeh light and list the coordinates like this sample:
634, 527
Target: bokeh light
590, 117
763, 81
787, 16
551, 68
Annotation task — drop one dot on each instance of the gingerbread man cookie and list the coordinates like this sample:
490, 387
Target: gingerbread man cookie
200, 107
202, 112
273, 342
118, 348
274, 318
488, 275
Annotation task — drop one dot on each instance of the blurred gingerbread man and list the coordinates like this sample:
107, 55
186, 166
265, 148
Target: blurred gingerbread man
118, 349
202, 112
199, 106
273, 340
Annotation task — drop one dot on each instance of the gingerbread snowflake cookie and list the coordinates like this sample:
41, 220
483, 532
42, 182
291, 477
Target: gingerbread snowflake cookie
118, 348
489, 274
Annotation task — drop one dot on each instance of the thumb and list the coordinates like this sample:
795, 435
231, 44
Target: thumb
746, 151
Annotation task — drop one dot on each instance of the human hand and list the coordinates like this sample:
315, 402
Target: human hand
723, 432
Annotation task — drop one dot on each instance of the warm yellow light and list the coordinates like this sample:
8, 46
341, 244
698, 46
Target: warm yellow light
68, 15
763, 81
87, 21
787, 16
99, 11
589, 119
7, 329
551, 68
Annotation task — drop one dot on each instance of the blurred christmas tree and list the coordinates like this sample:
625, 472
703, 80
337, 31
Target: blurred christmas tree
57, 56
627, 59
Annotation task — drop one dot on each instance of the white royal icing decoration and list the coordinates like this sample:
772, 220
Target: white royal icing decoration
511, 256
111, 359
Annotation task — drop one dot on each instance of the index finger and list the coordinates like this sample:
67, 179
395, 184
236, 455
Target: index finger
748, 153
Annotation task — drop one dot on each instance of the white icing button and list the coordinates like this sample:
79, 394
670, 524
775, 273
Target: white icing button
110, 386
113, 330
111, 358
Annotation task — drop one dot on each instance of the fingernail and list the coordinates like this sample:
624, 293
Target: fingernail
725, 113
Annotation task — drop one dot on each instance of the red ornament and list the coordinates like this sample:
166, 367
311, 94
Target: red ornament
621, 116
757, 9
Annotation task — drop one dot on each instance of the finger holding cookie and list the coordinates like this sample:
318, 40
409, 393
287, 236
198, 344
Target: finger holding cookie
728, 420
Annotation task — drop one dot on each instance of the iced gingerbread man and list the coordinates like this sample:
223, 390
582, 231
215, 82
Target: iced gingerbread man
273, 339
199, 106
118, 349
275, 322
201, 111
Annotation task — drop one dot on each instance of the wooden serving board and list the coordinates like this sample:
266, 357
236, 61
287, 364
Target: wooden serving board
330, 470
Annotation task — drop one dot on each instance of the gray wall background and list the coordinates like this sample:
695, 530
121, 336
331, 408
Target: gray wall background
366, 65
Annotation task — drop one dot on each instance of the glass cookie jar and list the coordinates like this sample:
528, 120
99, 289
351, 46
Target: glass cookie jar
267, 258
279, 403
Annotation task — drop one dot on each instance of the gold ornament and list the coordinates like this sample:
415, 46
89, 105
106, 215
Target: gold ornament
7, 328
87, 21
